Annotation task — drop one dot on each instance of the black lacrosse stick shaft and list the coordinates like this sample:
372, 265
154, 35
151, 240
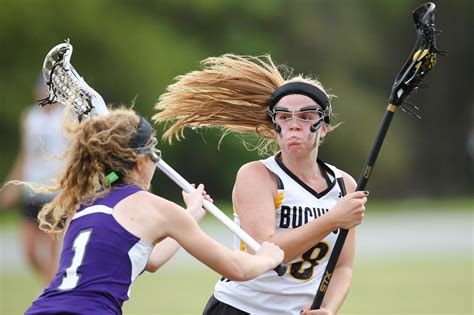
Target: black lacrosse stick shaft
421, 61
361, 184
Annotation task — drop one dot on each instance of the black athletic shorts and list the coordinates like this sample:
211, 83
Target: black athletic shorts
216, 307
31, 205
30, 211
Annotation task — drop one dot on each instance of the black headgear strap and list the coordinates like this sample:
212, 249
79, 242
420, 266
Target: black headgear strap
303, 88
141, 138
143, 135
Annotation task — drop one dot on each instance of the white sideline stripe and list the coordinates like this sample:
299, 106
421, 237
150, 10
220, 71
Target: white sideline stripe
93, 209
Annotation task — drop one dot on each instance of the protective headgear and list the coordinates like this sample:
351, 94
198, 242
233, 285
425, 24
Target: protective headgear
306, 89
142, 143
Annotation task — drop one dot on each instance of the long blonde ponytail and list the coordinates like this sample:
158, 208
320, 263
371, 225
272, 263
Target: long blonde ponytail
230, 92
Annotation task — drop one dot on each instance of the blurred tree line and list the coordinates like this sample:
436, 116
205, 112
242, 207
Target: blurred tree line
129, 51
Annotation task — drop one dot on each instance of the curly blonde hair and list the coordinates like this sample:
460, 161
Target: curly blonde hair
230, 92
98, 143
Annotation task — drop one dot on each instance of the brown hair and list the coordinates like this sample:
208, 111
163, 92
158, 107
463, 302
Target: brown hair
98, 143
230, 92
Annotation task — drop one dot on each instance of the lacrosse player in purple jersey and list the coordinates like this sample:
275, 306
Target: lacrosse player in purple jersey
115, 228
292, 198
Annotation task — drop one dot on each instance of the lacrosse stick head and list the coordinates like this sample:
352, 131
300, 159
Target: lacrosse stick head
65, 85
421, 60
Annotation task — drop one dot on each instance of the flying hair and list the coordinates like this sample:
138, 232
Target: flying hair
232, 93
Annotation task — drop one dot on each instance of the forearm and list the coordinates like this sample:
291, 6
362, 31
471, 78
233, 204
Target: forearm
338, 289
294, 242
9, 194
250, 265
161, 253
167, 248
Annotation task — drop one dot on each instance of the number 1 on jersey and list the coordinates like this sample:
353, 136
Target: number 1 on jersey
71, 278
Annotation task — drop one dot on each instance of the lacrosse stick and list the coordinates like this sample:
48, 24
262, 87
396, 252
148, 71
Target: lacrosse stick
65, 85
421, 60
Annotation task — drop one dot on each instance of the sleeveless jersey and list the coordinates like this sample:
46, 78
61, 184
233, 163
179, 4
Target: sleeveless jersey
296, 204
99, 262
43, 142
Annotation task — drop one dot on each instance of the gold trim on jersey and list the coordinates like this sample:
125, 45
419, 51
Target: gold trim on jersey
278, 199
243, 246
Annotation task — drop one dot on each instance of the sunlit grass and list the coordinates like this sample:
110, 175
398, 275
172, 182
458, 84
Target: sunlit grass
409, 284
399, 287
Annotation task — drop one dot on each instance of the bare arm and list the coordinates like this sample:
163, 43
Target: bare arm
9, 194
231, 264
156, 220
161, 253
253, 199
167, 248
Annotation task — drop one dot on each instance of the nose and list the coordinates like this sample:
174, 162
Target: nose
294, 124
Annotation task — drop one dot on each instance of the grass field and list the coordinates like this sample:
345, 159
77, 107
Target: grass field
435, 281
414, 287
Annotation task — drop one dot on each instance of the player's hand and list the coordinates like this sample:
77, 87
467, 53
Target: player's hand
194, 201
321, 311
273, 251
350, 210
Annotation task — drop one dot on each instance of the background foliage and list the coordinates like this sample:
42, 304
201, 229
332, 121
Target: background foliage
130, 51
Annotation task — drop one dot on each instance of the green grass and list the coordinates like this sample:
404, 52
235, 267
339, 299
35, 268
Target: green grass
407, 285
432, 286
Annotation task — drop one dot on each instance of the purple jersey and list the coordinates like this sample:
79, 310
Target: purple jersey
99, 262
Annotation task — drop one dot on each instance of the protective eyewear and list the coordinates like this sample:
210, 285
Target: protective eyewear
308, 114
151, 149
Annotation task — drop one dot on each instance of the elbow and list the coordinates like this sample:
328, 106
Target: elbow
152, 269
238, 273
153, 266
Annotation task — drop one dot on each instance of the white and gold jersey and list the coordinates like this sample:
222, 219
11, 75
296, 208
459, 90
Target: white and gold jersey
296, 204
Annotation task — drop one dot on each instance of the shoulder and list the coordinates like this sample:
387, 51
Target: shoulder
31, 112
255, 179
150, 198
26, 114
254, 167
153, 208
150, 203
255, 172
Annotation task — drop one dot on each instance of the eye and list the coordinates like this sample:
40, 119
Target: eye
282, 116
308, 116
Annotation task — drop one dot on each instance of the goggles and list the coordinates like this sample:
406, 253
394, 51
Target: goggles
303, 88
151, 149
309, 114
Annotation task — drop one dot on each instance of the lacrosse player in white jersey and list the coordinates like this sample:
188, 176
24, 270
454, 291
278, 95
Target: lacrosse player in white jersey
42, 143
291, 198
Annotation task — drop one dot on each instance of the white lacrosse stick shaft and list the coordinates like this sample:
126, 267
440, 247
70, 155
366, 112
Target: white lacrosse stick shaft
210, 207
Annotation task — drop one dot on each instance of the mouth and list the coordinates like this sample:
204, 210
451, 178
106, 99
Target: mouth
294, 140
